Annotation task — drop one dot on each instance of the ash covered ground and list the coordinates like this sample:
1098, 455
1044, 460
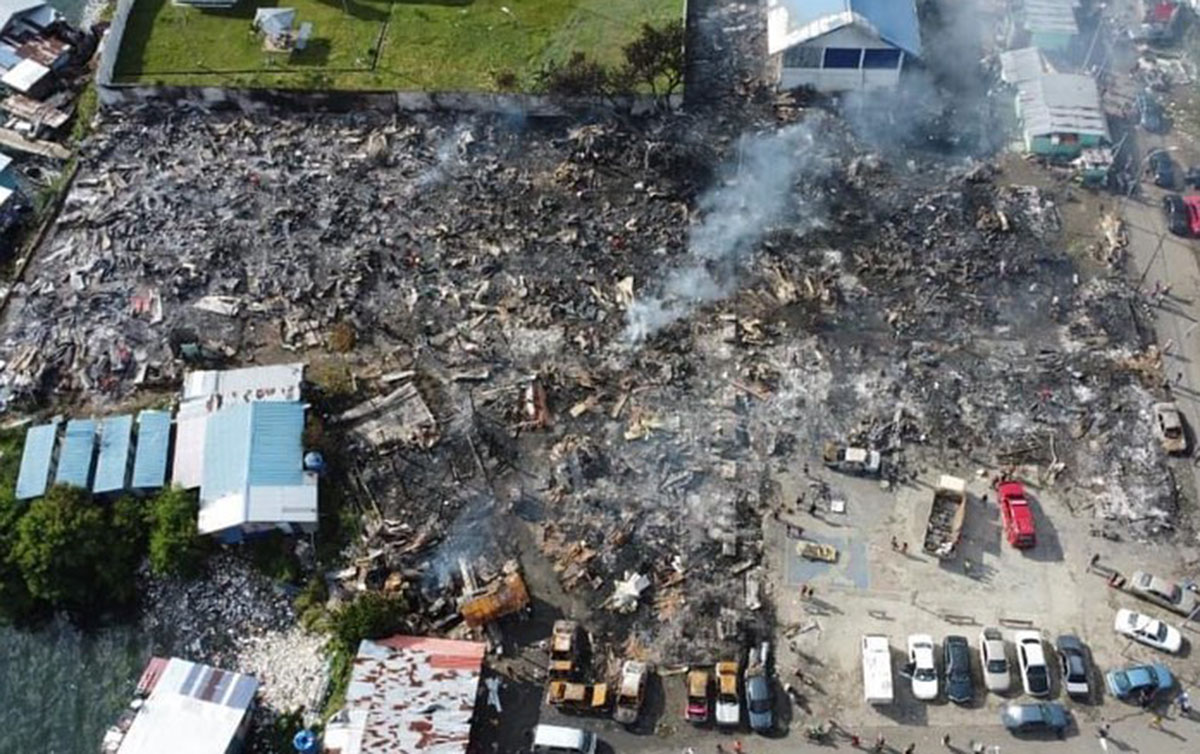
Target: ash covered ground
619, 332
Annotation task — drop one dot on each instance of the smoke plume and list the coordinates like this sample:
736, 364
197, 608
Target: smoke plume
755, 193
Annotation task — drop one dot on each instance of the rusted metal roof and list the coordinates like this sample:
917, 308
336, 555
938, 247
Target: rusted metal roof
408, 694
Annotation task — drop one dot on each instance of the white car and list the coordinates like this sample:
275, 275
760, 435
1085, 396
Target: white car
994, 660
922, 667
1149, 631
1031, 656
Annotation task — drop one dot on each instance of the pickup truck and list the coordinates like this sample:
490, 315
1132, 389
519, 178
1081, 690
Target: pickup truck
563, 649
631, 692
946, 517
1016, 515
851, 460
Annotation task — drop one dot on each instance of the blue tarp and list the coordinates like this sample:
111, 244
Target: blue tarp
75, 461
112, 465
35, 461
153, 442
895, 20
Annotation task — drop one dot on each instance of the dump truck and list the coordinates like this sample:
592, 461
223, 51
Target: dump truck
564, 650
946, 517
578, 697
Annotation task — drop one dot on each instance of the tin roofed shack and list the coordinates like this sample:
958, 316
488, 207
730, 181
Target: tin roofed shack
183, 707
1061, 115
408, 695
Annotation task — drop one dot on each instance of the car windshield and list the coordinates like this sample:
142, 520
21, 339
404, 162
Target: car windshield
1121, 681
1161, 633
925, 674
1174, 593
759, 706
1037, 678
1075, 669
728, 699
997, 666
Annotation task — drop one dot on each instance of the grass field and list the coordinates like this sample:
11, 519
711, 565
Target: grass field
406, 45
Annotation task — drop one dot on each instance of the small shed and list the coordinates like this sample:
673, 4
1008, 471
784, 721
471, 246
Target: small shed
36, 460
78, 452
153, 441
112, 462
1061, 115
1048, 24
841, 45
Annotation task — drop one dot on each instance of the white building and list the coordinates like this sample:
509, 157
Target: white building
841, 45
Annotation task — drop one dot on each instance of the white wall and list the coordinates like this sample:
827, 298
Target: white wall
841, 79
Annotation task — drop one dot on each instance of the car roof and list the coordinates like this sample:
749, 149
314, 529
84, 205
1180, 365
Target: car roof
1068, 641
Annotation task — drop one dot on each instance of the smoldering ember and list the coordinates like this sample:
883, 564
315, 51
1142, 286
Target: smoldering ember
686, 388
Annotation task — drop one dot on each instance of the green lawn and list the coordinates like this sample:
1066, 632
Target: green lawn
406, 45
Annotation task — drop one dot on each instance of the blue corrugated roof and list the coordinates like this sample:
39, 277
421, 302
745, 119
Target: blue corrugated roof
75, 461
112, 464
35, 461
253, 444
895, 20
153, 441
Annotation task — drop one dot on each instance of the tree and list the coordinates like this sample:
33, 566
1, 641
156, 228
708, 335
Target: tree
176, 548
656, 58
578, 77
66, 553
17, 605
371, 616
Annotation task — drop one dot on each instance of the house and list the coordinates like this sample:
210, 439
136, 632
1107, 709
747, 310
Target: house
11, 203
1061, 115
841, 45
254, 478
408, 695
1048, 24
185, 708
28, 51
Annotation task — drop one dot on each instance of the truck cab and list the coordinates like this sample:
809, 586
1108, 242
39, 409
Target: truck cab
729, 703
1015, 511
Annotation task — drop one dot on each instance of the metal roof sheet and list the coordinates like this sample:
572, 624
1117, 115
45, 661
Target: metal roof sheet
279, 382
25, 75
10, 8
35, 461
799, 21
112, 463
1062, 103
153, 440
409, 695
1043, 16
78, 449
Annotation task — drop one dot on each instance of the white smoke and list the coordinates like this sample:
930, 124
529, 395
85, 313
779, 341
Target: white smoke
735, 214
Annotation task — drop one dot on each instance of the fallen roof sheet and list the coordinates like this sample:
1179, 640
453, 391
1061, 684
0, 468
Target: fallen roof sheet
153, 440
409, 695
112, 463
36, 460
793, 22
75, 460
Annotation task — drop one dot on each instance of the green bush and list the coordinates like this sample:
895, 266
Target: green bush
371, 616
176, 548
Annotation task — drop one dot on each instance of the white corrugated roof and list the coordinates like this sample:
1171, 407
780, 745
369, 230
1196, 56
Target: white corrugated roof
193, 709
1058, 103
1025, 64
25, 75
280, 382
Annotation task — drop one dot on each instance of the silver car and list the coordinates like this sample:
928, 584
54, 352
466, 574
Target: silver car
1168, 594
994, 660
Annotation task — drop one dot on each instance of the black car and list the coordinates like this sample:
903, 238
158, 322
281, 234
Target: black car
1038, 717
1161, 166
1150, 113
1072, 662
1176, 214
956, 656
1191, 177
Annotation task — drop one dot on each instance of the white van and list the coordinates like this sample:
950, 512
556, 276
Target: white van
877, 669
557, 739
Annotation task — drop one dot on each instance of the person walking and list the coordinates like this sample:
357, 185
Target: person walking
1156, 721
946, 740
1185, 703
879, 742
855, 740
910, 749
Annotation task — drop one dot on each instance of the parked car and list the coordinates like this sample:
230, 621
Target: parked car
1035, 676
956, 660
1191, 177
1072, 662
1168, 594
1149, 631
759, 704
698, 683
729, 704
852, 460
1160, 165
994, 660
1037, 717
1150, 113
1138, 681
1017, 515
1168, 424
922, 667
1175, 212
631, 692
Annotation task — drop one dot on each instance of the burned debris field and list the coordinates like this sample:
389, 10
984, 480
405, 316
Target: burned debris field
611, 347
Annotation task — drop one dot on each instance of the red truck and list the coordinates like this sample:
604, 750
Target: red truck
1018, 517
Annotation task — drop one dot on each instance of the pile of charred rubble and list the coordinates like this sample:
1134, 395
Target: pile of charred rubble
611, 334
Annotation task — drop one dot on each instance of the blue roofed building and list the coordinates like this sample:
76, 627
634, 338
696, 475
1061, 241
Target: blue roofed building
77, 454
36, 459
253, 478
841, 45
112, 462
153, 442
